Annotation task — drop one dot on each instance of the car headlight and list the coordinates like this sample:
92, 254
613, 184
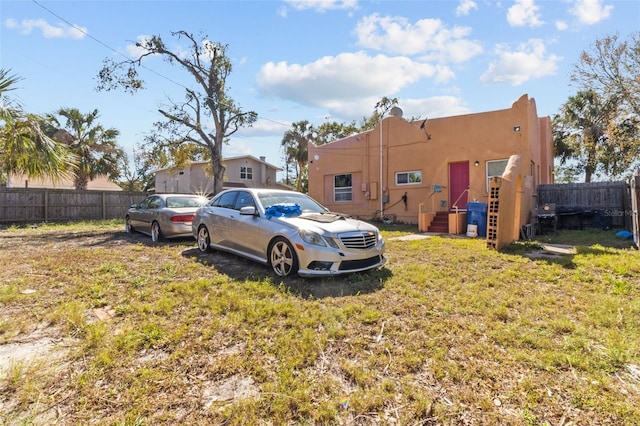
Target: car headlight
312, 238
331, 242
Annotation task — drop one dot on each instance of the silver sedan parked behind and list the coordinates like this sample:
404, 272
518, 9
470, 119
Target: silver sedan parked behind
164, 215
289, 231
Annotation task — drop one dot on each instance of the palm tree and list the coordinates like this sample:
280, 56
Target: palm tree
580, 131
94, 147
295, 144
24, 147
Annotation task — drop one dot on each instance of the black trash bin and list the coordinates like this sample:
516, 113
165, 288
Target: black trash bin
601, 219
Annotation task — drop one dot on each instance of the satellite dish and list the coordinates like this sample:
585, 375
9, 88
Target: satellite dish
396, 112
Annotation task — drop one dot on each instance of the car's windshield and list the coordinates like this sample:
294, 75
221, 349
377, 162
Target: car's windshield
307, 204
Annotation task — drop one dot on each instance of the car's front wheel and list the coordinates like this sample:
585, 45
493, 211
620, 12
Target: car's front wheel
128, 228
156, 233
283, 258
204, 240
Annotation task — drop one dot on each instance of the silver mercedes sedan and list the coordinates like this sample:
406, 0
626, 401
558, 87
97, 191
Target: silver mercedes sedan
289, 231
164, 215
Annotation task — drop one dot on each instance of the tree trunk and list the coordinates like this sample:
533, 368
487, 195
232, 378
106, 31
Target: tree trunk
81, 182
218, 175
587, 175
300, 166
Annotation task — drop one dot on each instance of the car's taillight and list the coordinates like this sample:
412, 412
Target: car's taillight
183, 218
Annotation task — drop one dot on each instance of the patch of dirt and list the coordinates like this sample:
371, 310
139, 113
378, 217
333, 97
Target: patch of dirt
27, 349
26, 355
232, 388
552, 251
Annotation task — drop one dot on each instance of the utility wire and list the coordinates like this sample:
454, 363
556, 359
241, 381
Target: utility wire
117, 52
106, 45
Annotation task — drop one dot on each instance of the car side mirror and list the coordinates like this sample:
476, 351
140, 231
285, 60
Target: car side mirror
248, 211
134, 206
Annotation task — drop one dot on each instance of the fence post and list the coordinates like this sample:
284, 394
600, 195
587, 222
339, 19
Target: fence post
46, 205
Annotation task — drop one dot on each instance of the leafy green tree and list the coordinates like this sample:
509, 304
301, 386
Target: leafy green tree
206, 62
24, 147
623, 150
612, 69
580, 132
381, 108
609, 75
328, 132
159, 153
95, 148
137, 177
566, 174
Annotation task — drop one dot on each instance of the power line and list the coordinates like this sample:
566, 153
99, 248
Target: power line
117, 52
106, 45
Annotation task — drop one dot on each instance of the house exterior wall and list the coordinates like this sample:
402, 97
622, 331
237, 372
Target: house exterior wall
262, 176
481, 137
195, 178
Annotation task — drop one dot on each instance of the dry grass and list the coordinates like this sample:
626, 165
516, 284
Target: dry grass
130, 332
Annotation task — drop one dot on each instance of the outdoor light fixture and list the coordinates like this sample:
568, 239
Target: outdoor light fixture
477, 163
516, 128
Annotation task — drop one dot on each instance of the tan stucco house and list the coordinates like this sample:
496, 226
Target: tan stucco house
241, 171
422, 172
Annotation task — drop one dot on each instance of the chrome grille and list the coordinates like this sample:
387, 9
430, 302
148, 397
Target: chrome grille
358, 240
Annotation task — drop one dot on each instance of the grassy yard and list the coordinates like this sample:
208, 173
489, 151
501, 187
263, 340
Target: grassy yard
102, 327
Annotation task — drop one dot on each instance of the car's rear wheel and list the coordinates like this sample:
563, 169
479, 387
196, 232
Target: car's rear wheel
128, 228
283, 258
156, 233
204, 240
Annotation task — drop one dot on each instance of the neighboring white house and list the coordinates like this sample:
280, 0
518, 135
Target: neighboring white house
101, 183
242, 171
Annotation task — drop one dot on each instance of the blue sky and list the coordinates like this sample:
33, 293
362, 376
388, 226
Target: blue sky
316, 60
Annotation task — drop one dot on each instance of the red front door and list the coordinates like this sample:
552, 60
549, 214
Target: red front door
458, 184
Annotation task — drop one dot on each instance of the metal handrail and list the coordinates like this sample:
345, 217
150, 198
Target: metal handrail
433, 192
455, 203
455, 206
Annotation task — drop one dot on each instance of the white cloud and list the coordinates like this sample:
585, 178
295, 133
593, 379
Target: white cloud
524, 13
428, 37
591, 12
340, 83
48, 30
530, 61
465, 6
322, 5
561, 25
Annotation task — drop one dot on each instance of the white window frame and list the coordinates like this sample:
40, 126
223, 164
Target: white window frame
246, 172
409, 174
494, 172
343, 194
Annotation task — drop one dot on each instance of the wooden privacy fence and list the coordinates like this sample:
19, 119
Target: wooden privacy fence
595, 204
45, 205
